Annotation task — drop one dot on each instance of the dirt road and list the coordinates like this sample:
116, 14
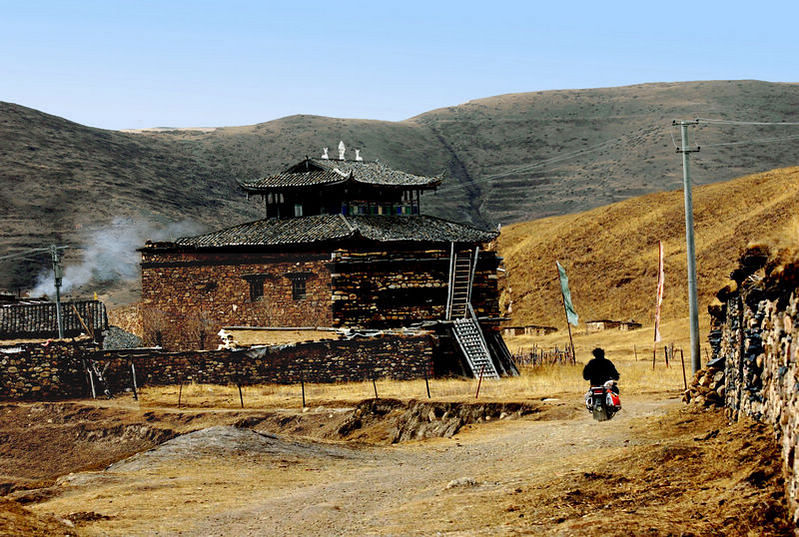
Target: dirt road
652, 470
442, 486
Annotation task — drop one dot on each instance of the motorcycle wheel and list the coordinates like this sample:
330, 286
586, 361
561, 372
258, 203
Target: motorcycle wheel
600, 413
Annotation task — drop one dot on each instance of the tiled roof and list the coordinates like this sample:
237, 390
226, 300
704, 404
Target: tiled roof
311, 172
337, 228
287, 179
18, 321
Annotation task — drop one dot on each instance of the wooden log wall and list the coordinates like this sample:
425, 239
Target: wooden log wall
377, 289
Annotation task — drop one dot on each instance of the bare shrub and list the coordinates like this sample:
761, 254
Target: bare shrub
156, 328
198, 328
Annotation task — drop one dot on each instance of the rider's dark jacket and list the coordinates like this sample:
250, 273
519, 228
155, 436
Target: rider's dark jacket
599, 371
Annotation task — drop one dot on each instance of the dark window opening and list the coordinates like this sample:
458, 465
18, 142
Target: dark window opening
256, 286
298, 288
298, 279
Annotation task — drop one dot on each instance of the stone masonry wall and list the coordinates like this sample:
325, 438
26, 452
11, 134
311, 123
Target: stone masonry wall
51, 370
57, 372
754, 329
179, 286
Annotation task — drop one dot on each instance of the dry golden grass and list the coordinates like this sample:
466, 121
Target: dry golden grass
610, 253
558, 381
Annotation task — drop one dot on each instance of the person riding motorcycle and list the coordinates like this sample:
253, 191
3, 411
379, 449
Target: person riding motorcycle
599, 370
602, 397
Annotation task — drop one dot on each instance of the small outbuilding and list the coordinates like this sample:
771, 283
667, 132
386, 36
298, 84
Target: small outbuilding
606, 324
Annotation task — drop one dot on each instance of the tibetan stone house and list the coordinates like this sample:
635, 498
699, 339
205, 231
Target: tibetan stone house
344, 245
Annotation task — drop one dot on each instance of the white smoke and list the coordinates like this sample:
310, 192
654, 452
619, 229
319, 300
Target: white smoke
109, 254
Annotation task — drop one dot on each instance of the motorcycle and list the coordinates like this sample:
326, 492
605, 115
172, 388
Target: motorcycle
603, 401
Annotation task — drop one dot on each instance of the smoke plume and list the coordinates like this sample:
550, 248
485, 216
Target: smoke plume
109, 254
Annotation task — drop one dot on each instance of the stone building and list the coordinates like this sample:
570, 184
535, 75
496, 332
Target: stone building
343, 245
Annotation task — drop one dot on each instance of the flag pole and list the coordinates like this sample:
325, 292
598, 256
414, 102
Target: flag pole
566, 313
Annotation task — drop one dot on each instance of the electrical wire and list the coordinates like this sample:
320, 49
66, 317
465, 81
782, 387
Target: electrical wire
553, 162
756, 123
755, 141
25, 253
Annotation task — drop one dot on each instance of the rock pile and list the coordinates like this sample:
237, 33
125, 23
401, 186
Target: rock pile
707, 388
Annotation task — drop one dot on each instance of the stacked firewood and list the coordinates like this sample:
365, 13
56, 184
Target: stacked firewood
706, 389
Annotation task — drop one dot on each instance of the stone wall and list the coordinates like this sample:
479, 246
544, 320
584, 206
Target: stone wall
183, 292
754, 330
188, 291
396, 357
55, 372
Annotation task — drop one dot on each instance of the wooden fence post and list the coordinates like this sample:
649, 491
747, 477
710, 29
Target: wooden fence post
479, 381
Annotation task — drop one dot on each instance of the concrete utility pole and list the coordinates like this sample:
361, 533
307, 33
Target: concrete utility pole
696, 358
59, 275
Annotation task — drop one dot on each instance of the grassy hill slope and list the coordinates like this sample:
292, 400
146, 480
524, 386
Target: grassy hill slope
499, 135
610, 253
60, 178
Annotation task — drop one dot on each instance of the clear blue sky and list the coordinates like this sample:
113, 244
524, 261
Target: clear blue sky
133, 64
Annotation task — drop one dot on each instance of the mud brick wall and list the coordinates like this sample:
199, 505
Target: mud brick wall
181, 284
754, 328
376, 289
34, 371
390, 356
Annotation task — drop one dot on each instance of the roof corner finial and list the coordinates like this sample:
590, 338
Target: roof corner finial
341, 150
358, 156
324, 154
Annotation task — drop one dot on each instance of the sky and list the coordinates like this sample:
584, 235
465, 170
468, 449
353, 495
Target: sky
135, 64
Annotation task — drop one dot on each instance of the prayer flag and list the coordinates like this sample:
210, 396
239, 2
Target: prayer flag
661, 278
571, 315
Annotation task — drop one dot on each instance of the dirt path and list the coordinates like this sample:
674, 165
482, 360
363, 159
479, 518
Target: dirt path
457, 486
403, 490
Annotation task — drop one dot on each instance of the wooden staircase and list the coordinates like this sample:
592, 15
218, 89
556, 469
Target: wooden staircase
465, 327
470, 339
460, 284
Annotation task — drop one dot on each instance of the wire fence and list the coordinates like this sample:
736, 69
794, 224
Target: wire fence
537, 356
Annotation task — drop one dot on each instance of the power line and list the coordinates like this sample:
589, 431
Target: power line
553, 162
755, 141
548, 163
25, 253
756, 123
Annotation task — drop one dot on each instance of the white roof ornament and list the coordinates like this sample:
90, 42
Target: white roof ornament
358, 156
341, 150
324, 155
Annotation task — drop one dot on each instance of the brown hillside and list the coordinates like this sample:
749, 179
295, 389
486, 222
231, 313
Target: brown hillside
59, 178
610, 253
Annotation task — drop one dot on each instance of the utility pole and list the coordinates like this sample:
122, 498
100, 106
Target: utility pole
696, 357
59, 275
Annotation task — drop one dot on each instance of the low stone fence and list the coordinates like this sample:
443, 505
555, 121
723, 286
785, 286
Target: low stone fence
58, 371
44, 370
396, 357
754, 332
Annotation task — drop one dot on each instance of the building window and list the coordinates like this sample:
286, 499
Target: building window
256, 282
298, 209
298, 288
298, 280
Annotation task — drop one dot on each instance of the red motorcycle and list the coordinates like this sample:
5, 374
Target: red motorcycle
603, 401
